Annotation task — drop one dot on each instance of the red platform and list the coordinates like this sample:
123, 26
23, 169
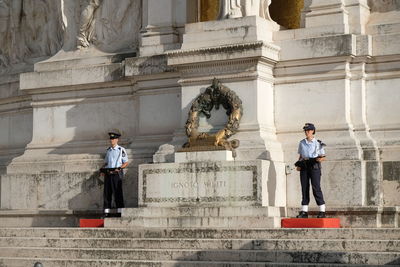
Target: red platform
91, 223
310, 223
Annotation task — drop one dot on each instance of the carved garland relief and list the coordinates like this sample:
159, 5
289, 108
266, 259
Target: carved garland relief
214, 96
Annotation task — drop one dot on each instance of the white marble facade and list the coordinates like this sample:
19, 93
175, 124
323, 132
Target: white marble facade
72, 70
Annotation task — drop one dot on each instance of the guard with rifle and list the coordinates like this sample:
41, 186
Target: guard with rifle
311, 154
115, 161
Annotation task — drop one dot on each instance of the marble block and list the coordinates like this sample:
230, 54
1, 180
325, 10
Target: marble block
218, 155
224, 32
226, 183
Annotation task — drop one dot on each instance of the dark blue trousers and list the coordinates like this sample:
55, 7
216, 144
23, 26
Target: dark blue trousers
113, 186
312, 173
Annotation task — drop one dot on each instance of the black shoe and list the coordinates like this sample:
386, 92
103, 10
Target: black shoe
113, 215
302, 214
321, 214
106, 215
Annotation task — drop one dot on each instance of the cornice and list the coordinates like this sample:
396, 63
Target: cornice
224, 48
17, 104
256, 49
219, 67
337, 68
222, 78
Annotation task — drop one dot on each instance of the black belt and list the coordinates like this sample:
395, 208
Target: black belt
110, 170
307, 163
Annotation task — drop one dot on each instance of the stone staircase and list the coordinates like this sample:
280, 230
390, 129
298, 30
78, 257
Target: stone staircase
150, 246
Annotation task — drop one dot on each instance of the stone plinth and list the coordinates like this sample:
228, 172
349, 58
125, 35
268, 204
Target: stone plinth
199, 217
225, 183
225, 32
223, 155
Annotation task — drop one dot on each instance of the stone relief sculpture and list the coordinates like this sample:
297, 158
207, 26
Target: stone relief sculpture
44, 28
118, 24
29, 29
241, 8
108, 25
214, 96
4, 24
86, 23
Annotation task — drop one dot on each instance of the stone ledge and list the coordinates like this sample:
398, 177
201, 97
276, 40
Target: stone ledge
206, 211
360, 217
150, 65
81, 58
71, 77
228, 31
45, 218
331, 46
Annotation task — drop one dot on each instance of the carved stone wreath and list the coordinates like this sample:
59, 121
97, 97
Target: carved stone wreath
214, 96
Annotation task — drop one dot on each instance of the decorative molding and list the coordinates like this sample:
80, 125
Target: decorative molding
224, 48
336, 68
79, 87
219, 67
257, 49
18, 104
223, 78
49, 99
86, 100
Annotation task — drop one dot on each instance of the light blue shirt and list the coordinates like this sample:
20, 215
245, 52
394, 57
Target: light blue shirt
310, 149
115, 157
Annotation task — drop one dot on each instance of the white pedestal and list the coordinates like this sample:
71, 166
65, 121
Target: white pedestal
221, 183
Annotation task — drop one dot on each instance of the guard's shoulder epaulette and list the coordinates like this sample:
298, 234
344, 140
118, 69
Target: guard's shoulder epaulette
321, 143
119, 148
109, 148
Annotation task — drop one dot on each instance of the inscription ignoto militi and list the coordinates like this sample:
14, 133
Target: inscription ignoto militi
213, 184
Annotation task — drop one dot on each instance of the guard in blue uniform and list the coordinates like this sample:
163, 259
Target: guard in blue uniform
311, 154
115, 161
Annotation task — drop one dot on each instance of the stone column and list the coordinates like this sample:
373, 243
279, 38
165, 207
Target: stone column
326, 13
352, 15
358, 15
304, 11
163, 26
371, 184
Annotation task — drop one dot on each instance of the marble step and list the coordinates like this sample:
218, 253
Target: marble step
210, 233
18, 262
206, 244
229, 211
387, 258
194, 221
